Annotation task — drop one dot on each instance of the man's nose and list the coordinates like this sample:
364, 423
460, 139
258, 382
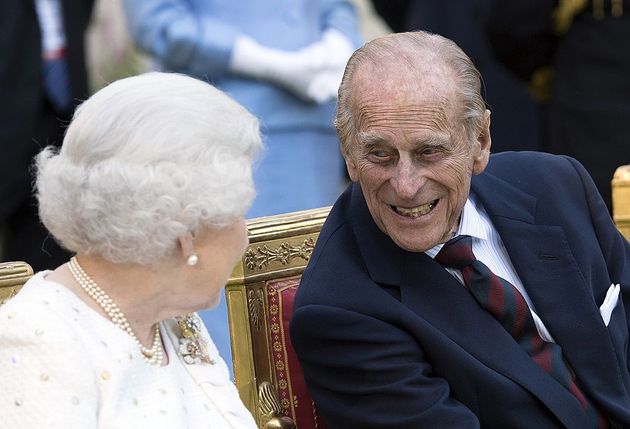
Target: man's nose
408, 179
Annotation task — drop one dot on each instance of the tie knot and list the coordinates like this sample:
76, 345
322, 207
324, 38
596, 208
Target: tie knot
456, 253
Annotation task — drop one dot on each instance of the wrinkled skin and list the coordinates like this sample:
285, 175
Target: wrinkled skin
411, 156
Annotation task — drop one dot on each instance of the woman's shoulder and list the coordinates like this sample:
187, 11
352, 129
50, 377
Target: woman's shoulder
39, 303
42, 365
39, 320
34, 297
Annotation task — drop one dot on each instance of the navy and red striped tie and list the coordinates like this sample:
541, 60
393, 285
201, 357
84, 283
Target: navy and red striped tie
508, 306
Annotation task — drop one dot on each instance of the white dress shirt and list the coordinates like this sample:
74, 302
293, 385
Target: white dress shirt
51, 24
488, 248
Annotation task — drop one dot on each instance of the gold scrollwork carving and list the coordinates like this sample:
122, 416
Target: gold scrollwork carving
255, 307
11, 294
566, 10
269, 407
263, 256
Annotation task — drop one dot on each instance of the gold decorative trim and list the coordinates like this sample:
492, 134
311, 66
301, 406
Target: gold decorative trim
564, 13
280, 247
598, 10
621, 199
270, 409
5, 296
13, 275
242, 347
255, 306
261, 257
280, 358
541, 83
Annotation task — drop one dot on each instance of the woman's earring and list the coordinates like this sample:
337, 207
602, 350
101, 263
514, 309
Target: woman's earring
192, 260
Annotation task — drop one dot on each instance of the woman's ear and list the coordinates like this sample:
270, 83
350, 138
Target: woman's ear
186, 245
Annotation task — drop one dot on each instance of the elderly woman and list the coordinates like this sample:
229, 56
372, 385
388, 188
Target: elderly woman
149, 189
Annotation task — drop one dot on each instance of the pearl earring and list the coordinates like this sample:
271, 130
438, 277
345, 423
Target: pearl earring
192, 259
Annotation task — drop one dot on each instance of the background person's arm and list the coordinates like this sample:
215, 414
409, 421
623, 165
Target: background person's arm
181, 39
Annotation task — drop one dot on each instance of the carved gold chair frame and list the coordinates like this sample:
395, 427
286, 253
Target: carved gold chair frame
12, 276
621, 199
280, 247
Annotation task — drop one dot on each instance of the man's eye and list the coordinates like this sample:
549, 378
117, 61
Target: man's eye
378, 156
379, 153
431, 151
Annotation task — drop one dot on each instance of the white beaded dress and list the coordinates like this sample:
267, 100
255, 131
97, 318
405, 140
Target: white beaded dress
63, 365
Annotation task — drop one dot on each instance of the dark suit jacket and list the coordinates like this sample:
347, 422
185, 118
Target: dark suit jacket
21, 88
389, 339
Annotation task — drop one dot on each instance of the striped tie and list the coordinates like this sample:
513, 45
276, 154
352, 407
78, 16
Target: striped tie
508, 306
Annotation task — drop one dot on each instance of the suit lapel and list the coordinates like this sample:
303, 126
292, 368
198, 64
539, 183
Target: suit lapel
383, 258
440, 299
561, 296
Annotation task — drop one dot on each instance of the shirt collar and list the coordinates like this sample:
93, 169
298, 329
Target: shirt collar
472, 222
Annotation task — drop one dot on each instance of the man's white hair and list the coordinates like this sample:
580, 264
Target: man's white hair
408, 52
144, 161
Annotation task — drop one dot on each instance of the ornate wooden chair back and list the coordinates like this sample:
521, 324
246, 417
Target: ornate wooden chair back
621, 199
260, 297
13, 275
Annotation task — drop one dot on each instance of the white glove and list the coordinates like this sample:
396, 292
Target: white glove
332, 53
312, 73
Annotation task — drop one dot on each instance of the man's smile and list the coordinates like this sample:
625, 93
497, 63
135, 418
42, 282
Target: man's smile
414, 212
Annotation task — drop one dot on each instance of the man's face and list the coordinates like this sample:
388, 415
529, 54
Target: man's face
413, 161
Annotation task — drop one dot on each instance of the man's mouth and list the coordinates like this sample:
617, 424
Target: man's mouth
414, 212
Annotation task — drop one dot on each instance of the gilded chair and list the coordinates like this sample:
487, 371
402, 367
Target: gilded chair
12, 276
260, 297
621, 199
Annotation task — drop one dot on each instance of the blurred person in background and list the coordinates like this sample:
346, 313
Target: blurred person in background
283, 60
149, 190
42, 78
574, 54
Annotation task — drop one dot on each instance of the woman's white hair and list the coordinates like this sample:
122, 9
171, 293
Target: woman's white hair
144, 161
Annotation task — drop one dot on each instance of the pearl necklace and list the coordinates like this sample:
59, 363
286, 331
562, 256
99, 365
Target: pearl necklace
154, 355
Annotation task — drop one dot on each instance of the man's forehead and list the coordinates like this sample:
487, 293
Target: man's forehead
401, 86
384, 106
372, 138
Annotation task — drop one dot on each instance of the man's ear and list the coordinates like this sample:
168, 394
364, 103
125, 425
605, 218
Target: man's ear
481, 153
350, 164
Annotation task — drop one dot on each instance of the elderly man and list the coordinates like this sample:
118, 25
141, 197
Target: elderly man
454, 289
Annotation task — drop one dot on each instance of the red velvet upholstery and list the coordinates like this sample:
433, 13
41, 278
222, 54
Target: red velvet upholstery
294, 397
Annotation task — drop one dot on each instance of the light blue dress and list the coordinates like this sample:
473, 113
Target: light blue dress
301, 167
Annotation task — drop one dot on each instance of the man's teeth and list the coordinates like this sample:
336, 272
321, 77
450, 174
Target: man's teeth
416, 211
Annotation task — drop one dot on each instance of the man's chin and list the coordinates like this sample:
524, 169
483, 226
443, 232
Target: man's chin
411, 245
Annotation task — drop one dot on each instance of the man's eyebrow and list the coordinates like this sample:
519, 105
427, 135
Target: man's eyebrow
435, 140
369, 138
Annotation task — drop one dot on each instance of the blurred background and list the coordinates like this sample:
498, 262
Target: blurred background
112, 55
